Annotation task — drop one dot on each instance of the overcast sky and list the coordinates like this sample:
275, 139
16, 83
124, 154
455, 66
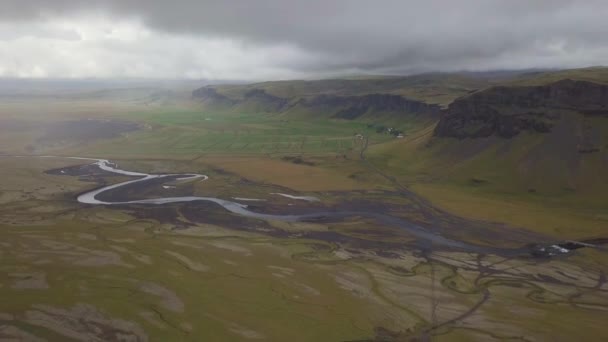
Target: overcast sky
282, 39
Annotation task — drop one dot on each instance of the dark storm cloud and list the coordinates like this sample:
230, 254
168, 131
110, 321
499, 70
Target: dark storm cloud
372, 36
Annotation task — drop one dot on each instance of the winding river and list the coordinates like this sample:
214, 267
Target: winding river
241, 209
419, 232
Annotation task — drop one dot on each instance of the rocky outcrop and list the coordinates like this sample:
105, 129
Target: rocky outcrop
352, 107
506, 111
211, 96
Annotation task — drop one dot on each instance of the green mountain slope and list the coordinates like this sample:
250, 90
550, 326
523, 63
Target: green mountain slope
539, 148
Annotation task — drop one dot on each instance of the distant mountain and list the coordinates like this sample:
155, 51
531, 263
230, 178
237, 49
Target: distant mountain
432, 88
437, 88
348, 107
415, 99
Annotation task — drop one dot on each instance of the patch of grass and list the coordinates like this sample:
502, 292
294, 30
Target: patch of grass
559, 220
293, 176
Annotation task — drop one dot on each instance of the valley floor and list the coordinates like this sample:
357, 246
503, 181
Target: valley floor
191, 272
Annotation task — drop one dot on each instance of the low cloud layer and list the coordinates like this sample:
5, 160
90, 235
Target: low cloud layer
273, 39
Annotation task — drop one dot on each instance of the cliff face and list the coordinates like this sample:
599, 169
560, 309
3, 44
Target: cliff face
352, 107
507, 111
268, 102
336, 106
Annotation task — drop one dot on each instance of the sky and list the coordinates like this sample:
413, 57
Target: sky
286, 39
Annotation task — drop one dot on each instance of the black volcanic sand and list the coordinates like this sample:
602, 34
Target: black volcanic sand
211, 213
151, 188
86, 173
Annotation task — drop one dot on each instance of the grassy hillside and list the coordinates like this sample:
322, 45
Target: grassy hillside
534, 156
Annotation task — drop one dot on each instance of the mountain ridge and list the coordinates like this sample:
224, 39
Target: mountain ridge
348, 107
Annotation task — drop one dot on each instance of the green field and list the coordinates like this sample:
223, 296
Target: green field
199, 132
